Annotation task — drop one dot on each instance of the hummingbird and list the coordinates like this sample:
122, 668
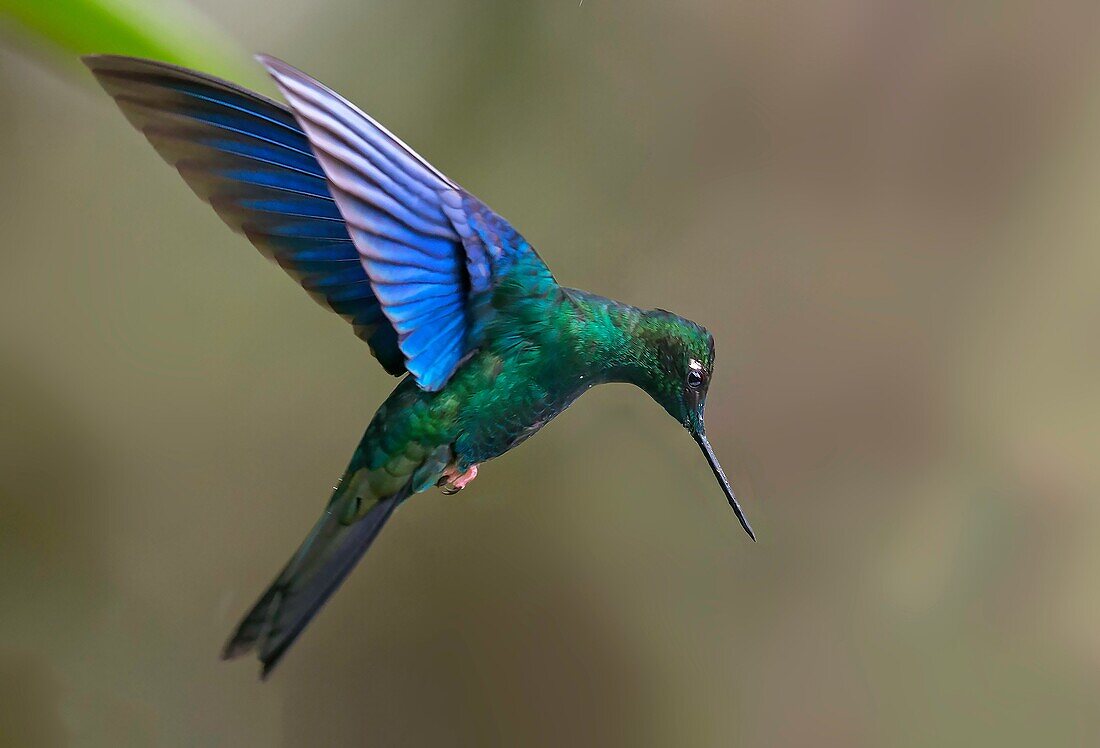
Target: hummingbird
443, 290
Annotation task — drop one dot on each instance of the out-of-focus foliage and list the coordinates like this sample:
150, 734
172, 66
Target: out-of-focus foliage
886, 213
169, 30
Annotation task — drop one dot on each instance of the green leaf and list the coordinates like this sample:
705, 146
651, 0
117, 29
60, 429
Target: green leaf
168, 30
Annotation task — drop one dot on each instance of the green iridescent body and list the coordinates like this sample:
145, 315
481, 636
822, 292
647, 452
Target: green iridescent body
545, 346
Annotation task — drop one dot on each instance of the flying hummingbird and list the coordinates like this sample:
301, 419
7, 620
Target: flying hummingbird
444, 291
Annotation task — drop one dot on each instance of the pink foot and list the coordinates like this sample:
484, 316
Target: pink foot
453, 481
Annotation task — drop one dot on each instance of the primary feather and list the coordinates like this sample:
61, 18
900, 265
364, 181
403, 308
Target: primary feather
247, 156
431, 250
369, 228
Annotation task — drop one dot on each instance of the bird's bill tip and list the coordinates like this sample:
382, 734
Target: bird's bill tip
720, 475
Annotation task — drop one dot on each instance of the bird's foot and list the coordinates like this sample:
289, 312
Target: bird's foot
453, 481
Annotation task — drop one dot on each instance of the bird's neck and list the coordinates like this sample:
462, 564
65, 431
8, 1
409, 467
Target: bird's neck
614, 341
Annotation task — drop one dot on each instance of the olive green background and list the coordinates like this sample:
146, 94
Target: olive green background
887, 213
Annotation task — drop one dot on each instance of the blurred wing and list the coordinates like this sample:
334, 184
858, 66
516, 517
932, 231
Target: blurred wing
247, 156
430, 249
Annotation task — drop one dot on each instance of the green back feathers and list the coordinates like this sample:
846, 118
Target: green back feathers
653, 349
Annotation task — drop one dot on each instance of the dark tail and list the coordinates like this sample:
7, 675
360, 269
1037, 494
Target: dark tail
316, 569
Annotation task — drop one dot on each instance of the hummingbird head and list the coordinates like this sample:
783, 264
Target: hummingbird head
677, 375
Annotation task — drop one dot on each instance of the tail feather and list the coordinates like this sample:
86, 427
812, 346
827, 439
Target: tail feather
320, 564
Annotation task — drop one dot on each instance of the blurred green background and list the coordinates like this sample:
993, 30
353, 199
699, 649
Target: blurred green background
885, 212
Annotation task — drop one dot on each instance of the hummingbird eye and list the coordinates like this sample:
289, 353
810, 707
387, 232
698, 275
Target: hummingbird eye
694, 379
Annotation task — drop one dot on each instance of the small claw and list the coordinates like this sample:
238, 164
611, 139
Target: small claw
452, 481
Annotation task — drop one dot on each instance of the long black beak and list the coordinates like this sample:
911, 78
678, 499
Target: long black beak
701, 437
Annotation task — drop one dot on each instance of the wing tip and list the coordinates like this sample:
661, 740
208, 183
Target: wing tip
275, 66
105, 59
103, 65
101, 62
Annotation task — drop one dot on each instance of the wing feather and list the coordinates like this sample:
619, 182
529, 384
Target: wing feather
247, 156
365, 225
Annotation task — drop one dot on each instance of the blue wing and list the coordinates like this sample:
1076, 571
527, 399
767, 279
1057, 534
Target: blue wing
247, 156
430, 249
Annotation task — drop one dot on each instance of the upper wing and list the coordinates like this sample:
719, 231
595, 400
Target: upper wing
247, 157
431, 250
